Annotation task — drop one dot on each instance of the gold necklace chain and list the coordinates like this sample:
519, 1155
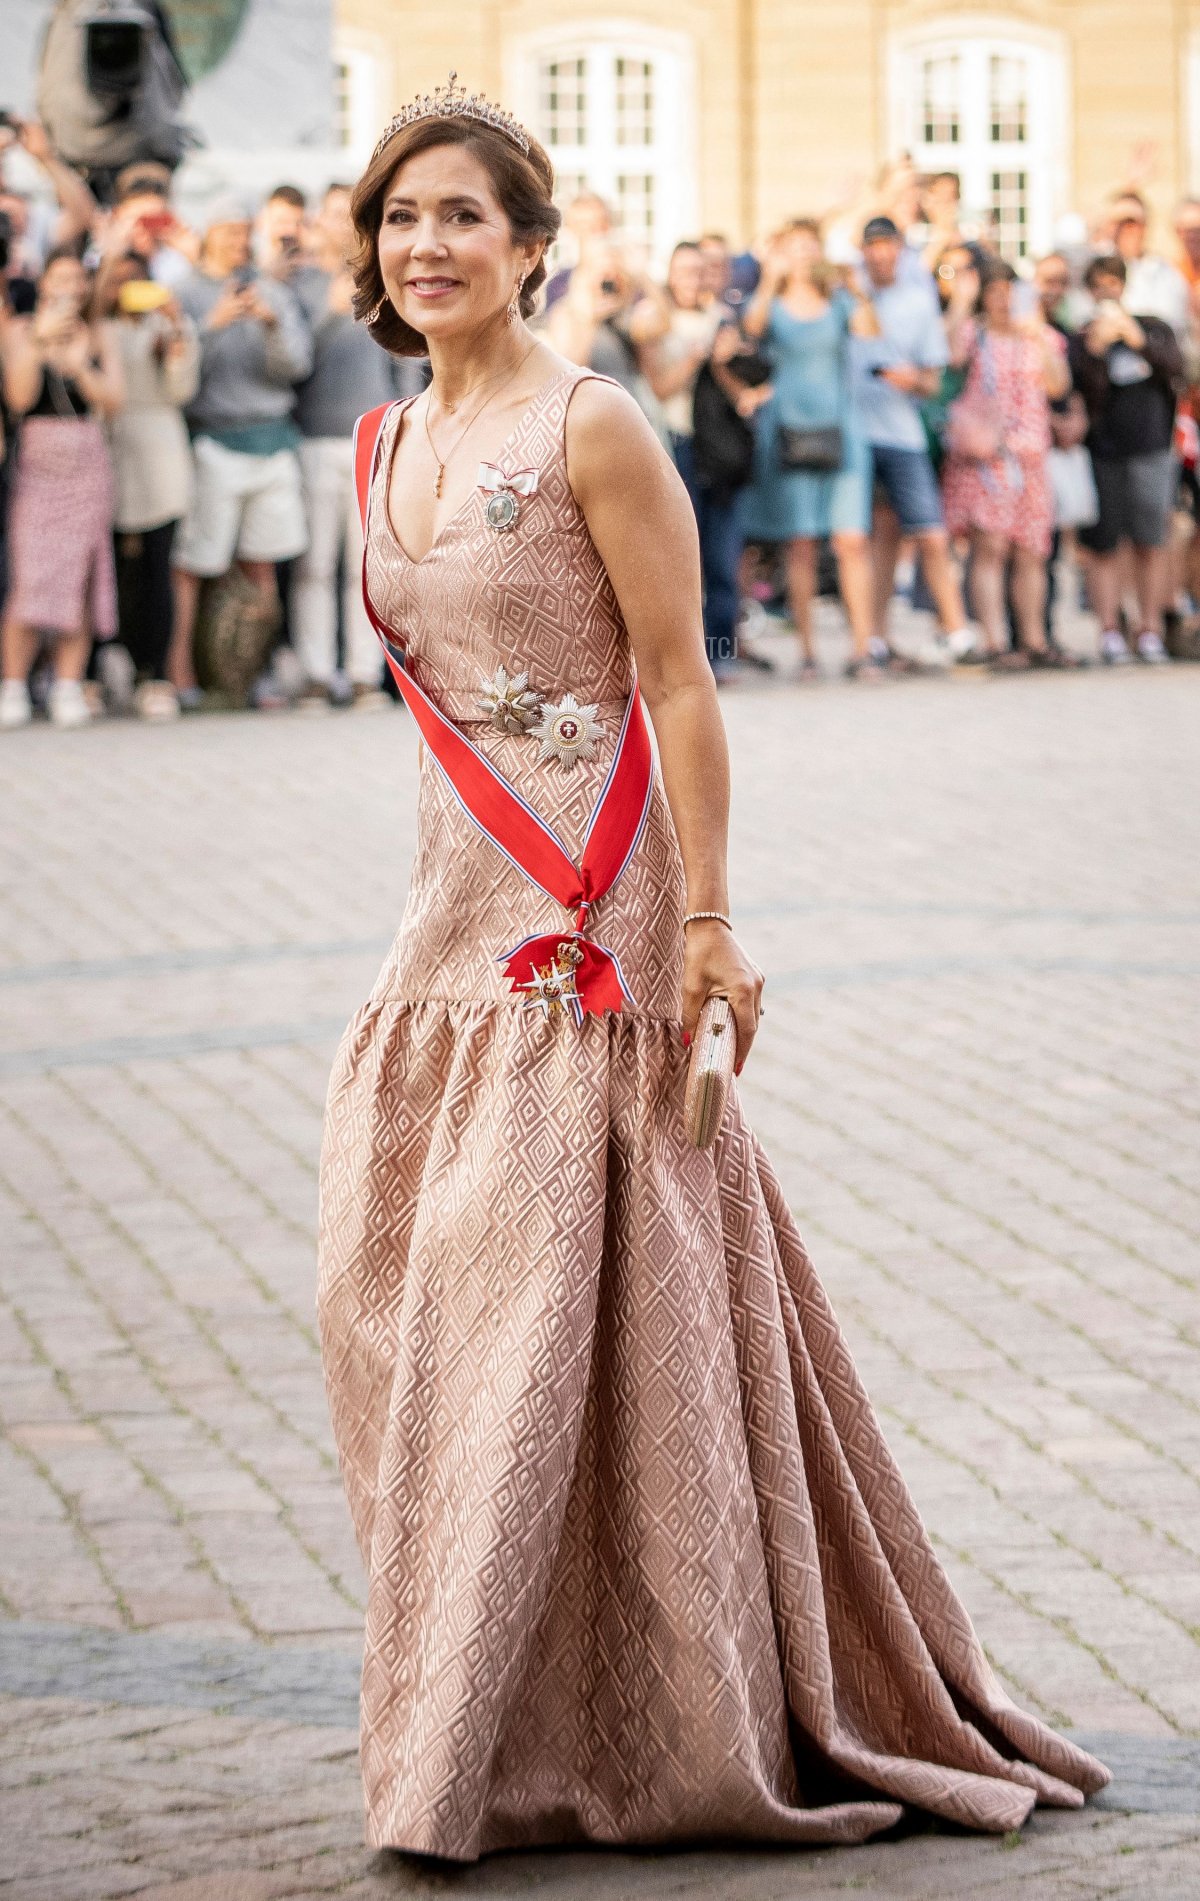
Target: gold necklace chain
470, 424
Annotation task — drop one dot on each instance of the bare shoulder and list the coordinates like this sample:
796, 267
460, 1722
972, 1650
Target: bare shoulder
607, 437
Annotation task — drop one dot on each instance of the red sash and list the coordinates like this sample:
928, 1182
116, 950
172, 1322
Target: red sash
558, 969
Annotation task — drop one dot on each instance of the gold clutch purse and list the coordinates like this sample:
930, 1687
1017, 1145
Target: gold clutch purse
710, 1072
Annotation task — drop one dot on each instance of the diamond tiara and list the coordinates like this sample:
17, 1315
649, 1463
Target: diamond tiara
453, 101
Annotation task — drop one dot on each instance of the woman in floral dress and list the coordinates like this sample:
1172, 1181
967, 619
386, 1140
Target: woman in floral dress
1003, 500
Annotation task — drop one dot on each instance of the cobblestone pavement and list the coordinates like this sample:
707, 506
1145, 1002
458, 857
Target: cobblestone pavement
979, 1075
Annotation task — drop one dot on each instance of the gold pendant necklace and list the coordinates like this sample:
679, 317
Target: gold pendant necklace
470, 424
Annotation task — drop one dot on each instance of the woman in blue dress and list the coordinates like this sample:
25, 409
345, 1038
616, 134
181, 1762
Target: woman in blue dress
803, 326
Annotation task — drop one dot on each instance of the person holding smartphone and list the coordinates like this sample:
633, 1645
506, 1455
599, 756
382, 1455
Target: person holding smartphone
152, 464
607, 314
62, 377
689, 330
255, 346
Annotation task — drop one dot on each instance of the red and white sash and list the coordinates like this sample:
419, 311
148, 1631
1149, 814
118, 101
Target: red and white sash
583, 976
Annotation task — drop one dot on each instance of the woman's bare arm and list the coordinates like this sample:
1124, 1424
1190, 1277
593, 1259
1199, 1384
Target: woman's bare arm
641, 521
23, 366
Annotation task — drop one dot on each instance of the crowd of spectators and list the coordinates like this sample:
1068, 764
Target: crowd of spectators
872, 393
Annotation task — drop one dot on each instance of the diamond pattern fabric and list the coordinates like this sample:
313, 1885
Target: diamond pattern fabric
641, 1568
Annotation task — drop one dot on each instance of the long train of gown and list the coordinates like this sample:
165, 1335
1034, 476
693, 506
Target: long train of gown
640, 1566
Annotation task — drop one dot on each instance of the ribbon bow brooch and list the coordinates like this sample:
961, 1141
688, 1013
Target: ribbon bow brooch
505, 490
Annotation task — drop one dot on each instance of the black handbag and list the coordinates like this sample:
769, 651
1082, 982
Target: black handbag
723, 441
816, 451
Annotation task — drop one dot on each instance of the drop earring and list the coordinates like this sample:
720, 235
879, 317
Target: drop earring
514, 302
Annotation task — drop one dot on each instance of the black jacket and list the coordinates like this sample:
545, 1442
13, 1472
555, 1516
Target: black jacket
1130, 418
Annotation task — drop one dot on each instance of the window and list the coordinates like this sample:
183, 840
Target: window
564, 102
357, 98
616, 119
991, 108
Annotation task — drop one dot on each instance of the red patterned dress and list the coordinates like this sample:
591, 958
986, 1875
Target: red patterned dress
1010, 496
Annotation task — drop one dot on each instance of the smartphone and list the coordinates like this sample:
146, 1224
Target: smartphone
879, 369
243, 277
140, 295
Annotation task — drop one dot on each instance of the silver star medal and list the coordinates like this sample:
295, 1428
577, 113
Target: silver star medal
512, 705
568, 732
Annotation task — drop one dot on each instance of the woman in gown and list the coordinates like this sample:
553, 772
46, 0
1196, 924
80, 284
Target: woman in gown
640, 1566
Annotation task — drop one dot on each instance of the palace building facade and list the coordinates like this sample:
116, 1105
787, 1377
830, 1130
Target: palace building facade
730, 115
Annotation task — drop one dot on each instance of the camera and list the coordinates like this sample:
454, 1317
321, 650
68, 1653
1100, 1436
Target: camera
114, 52
111, 88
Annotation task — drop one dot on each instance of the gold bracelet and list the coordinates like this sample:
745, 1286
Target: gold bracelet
694, 917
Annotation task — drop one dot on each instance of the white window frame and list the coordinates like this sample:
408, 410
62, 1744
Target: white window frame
1044, 155
671, 161
361, 58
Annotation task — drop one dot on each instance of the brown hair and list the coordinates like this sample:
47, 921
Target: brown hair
524, 186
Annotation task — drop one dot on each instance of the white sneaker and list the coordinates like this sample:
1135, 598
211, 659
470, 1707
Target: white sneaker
68, 704
16, 707
1113, 650
1150, 649
961, 642
156, 701
935, 652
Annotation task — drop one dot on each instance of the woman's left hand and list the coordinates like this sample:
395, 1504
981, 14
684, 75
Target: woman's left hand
714, 964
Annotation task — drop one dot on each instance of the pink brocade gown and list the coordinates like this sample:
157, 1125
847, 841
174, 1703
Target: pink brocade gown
641, 1568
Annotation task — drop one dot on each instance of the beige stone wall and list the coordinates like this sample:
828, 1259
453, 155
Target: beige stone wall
791, 95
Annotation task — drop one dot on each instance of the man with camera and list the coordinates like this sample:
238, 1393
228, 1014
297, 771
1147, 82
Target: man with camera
255, 347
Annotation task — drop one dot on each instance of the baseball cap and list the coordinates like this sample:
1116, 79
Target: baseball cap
879, 228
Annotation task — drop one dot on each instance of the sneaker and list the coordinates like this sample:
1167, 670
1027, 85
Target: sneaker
369, 699
961, 643
16, 707
935, 653
1150, 649
315, 698
68, 704
341, 691
116, 673
267, 696
1113, 650
156, 701
288, 672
